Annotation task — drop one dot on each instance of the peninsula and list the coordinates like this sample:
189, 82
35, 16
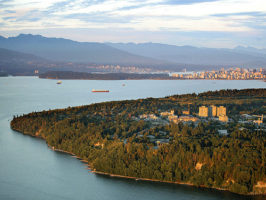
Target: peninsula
102, 76
165, 139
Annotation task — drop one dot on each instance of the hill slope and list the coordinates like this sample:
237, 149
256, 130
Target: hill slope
14, 62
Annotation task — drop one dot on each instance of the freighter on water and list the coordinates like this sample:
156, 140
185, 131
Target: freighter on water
100, 90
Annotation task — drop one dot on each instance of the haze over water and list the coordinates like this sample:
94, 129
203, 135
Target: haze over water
30, 170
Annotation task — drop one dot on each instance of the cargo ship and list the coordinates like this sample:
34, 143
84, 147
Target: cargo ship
100, 90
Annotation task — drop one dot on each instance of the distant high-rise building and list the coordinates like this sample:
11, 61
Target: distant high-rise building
203, 111
213, 111
221, 110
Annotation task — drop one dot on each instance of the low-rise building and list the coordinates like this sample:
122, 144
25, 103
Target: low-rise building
162, 141
223, 118
247, 116
148, 117
165, 114
187, 119
173, 118
259, 121
223, 132
185, 112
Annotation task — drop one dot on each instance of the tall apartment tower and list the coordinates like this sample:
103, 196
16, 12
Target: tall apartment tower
221, 111
203, 111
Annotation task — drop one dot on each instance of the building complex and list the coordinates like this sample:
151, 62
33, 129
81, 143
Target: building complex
230, 74
214, 111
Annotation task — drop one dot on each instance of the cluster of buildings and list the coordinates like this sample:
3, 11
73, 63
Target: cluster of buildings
123, 69
230, 74
148, 117
255, 119
170, 115
182, 118
211, 112
214, 111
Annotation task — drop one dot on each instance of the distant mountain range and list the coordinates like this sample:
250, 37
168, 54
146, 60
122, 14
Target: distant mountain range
64, 50
239, 56
27, 48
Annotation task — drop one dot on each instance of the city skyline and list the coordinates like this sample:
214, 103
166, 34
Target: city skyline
202, 23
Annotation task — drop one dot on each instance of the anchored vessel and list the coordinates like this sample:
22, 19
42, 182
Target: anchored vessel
100, 90
59, 82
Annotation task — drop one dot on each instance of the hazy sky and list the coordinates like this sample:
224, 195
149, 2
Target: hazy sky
209, 23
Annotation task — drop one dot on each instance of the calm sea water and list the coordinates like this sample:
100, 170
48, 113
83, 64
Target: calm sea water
29, 170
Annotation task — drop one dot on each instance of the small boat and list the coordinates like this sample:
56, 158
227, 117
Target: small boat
100, 90
59, 82
123, 84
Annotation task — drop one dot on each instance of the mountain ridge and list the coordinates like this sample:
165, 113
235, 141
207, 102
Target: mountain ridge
193, 55
60, 49
151, 55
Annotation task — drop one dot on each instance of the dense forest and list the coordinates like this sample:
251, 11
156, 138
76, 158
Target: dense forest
114, 139
101, 76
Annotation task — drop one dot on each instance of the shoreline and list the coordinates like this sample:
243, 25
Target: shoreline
70, 153
94, 171
146, 179
135, 178
171, 182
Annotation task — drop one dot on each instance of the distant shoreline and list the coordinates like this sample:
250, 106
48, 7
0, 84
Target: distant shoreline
69, 75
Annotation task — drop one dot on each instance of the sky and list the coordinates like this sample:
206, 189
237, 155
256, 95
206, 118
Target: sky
202, 23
